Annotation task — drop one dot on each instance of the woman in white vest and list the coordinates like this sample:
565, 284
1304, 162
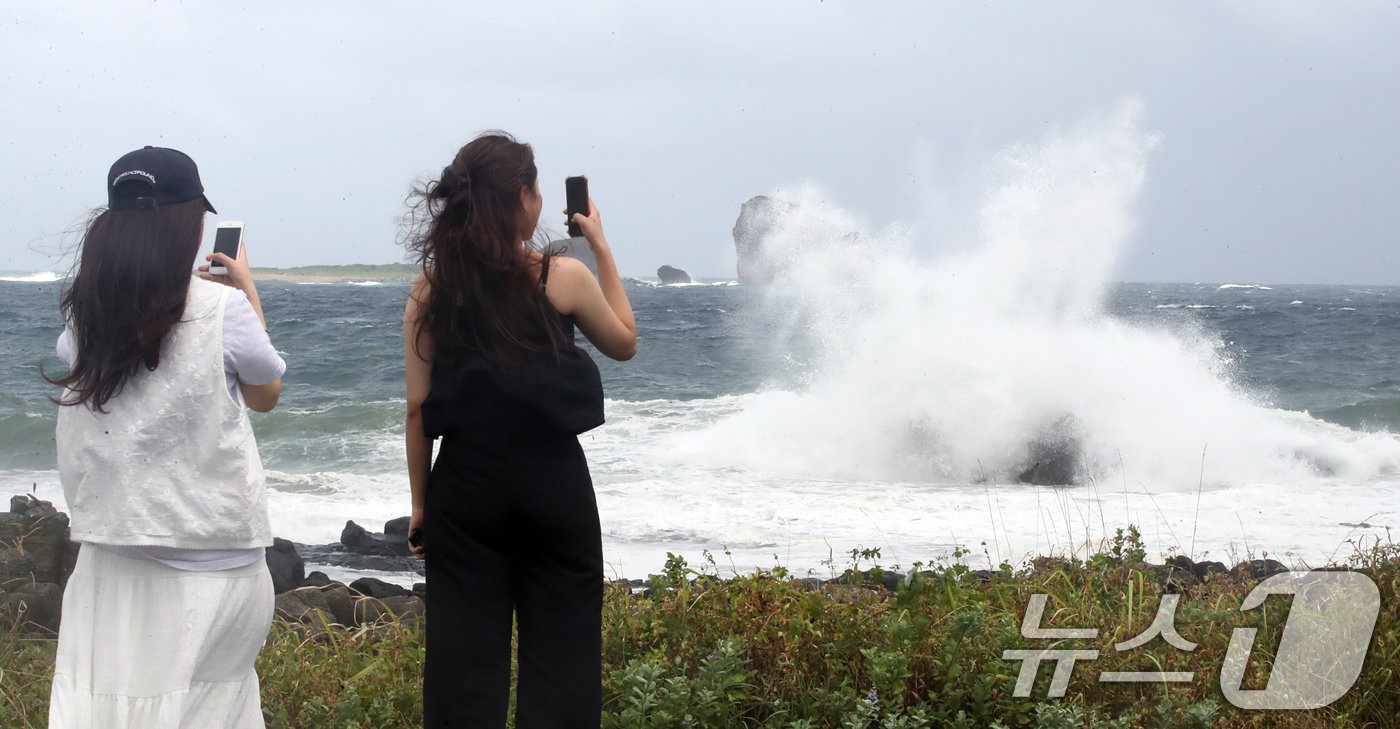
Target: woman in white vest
171, 599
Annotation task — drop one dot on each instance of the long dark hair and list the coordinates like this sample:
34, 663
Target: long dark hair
127, 291
465, 233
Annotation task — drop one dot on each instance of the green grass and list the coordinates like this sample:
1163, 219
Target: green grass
765, 650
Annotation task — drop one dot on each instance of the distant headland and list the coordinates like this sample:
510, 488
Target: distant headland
386, 272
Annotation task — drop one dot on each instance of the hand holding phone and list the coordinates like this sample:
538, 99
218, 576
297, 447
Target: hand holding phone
576, 201
228, 240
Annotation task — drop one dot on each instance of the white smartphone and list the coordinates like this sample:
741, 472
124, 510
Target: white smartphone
228, 240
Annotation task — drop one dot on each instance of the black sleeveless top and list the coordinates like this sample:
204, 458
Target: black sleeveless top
472, 399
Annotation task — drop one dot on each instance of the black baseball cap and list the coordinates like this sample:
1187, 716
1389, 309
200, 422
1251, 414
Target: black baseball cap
151, 177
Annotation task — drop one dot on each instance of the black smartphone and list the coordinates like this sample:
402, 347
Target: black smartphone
415, 537
576, 198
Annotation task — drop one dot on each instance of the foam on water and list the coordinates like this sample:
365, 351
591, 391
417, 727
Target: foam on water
915, 383
658, 284
928, 376
919, 394
654, 501
39, 277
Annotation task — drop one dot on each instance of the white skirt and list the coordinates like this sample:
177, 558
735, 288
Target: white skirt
143, 645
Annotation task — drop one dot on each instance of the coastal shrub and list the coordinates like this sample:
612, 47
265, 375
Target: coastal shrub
26, 670
771, 650
364, 678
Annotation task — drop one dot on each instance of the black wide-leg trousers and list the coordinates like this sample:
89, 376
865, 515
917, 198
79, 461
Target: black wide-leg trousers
513, 532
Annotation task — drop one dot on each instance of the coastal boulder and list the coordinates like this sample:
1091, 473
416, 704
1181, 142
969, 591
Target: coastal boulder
396, 527
1258, 569
37, 608
16, 569
377, 588
358, 540
34, 545
290, 607
360, 549
407, 611
670, 275
341, 602
285, 565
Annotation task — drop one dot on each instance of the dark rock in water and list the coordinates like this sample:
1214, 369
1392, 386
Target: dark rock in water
357, 539
359, 549
377, 588
338, 555
1258, 569
285, 565
316, 579
396, 527
756, 219
669, 275
420, 590
1053, 455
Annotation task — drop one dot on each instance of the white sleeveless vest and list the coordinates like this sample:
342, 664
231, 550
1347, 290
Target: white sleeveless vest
172, 462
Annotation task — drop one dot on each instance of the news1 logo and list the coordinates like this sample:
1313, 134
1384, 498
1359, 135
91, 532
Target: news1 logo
1319, 657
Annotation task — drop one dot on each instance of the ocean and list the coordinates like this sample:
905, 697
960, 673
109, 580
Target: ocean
883, 392
725, 436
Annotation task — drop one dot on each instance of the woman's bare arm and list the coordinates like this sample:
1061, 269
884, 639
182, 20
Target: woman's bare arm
261, 398
600, 306
418, 368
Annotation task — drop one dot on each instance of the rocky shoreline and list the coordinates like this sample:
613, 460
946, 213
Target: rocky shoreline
37, 555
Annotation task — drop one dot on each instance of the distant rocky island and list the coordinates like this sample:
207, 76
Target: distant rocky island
757, 216
672, 275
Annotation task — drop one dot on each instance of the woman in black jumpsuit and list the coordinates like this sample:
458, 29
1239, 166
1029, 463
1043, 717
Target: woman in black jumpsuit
506, 513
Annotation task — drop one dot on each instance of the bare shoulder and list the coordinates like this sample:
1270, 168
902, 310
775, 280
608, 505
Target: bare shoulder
570, 267
567, 285
417, 297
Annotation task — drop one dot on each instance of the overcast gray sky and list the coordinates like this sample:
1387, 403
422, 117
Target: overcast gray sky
1280, 121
